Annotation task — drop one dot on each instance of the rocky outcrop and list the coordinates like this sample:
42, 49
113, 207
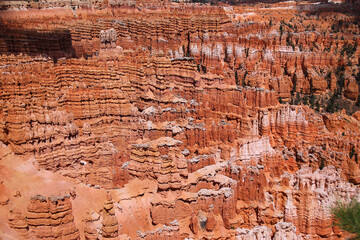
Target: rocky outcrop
92, 226
51, 218
168, 169
171, 231
104, 225
110, 228
199, 162
108, 38
284, 230
197, 121
317, 190
46, 218
258, 232
17, 221
209, 195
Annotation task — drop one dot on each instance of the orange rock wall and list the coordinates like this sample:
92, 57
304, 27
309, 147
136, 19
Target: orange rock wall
179, 114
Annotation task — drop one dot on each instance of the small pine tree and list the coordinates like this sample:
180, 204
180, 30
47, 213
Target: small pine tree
348, 217
297, 99
312, 100
243, 81
352, 152
317, 106
322, 164
306, 100
358, 101
236, 78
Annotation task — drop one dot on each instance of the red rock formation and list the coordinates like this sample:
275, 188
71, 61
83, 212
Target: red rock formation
18, 222
180, 114
46, 218
110, 226
160, 160
92, 229
171, 231
259, 232
316, 190
284, 230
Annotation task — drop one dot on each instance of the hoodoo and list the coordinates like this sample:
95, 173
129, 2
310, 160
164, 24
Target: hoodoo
164, 119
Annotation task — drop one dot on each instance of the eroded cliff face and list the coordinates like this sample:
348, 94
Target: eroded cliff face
173, 121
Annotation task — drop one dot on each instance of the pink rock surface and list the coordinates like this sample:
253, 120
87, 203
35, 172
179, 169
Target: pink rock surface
165, 120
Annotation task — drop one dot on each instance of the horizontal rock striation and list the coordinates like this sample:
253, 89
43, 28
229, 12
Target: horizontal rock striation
46, 218
178, 120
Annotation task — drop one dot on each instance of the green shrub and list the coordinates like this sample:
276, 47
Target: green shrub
348, 217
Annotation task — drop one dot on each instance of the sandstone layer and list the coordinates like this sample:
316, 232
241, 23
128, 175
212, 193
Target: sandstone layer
165, 120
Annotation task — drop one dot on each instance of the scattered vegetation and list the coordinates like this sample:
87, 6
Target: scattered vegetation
336, 27
333, 103
348, 217
312, 101
289, 42
349, 49
307, 99
332, 106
